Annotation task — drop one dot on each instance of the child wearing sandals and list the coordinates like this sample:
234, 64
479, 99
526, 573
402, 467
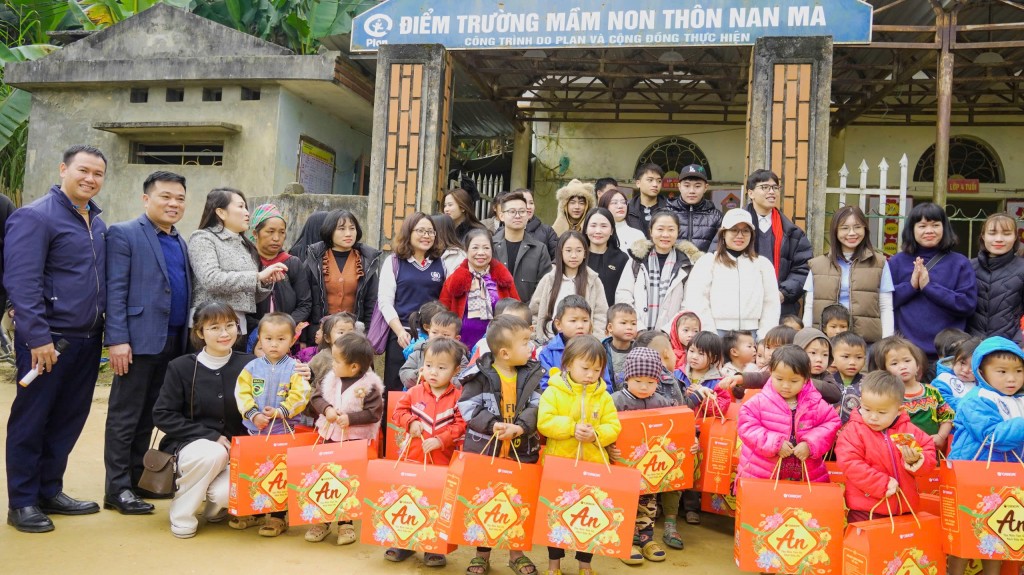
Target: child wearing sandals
429, 413
348, 404
500, 396
271, 396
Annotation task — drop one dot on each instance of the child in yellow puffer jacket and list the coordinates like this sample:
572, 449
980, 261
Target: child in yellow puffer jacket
578, 418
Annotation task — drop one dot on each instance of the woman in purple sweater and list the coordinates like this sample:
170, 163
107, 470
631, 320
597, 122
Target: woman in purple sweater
935, 286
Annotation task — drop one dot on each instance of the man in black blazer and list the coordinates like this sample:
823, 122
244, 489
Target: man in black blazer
149, 286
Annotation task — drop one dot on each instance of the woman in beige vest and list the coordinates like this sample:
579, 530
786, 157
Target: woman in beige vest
854, 275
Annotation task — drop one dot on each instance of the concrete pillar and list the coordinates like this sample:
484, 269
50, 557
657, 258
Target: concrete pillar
946, 21
522, 147
788, 124
411, 134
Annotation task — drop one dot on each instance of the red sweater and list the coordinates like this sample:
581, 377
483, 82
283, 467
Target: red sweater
439, 416
456, 288
869, 458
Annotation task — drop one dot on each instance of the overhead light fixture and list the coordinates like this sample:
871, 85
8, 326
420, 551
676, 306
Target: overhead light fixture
535, 54
989, 58
670, 57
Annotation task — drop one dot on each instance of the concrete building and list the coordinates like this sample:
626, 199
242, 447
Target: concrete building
170, 90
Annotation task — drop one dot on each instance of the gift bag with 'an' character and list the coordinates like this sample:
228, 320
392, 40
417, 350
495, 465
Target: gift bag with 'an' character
717, 450
490, 502
588, 507
723, 503
789, 527
394, 435
657, 443
982, 505
324, 481
403, 503
903, 545
259, 472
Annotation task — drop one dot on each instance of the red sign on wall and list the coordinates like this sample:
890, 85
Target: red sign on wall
962, 186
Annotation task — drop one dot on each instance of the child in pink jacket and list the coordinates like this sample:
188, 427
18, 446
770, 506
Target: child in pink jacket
788, 420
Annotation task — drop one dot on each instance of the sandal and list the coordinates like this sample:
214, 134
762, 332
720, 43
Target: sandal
273, 527
242, 523
318, 532
589, 571
671, 536
434, 560
346, 534
636, 557
693, 518
520, 564
478, 566
652, 552
396, 555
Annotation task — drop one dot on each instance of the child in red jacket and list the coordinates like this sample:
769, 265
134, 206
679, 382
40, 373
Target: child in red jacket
880, 450
430, 414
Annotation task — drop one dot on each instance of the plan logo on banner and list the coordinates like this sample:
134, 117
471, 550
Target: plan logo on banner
510, 24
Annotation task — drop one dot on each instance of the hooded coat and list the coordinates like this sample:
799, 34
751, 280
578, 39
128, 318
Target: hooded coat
766, 422
574, 189
824, 382
564, 404
988, 414
633, 286
480, 406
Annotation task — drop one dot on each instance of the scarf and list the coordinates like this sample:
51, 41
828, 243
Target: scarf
777, 244
478, 303
263, 213
657, 284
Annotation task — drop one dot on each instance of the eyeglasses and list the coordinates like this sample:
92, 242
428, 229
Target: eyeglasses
425, 232
850, 229
767, 187
515, 213
744, 231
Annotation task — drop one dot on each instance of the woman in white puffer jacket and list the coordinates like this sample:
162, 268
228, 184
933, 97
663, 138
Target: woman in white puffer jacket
734, 288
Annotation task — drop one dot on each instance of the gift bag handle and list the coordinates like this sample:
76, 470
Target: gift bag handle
270, 426
494, 453
405, 452
899, 493
777, 474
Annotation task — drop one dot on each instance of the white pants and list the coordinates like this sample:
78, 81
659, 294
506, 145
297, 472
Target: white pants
204, 476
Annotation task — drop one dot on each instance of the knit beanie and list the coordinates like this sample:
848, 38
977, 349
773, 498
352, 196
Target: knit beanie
643, 362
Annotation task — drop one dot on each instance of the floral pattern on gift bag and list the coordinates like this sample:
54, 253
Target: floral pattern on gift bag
259, 472
656, 442
902, 545
587, 507
718, 504
403, 501
325, 481
982, 507
489, 502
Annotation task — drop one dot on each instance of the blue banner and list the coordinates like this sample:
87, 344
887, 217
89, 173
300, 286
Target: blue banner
526, 24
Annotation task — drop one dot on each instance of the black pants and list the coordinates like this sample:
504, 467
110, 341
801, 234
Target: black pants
690, 501
130, 416
393, 361
47, 418
556, 553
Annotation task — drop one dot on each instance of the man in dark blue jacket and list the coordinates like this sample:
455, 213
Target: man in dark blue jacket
55, 257
148, 297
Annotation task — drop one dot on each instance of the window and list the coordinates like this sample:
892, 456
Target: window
969, 158
673, 154
175, 95
178, 154
139, 95
249, 94
212, 94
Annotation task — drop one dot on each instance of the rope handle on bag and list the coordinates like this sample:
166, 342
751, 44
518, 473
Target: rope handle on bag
494, 453
899, 493
405, 452
777, 474
713, 401
270, 426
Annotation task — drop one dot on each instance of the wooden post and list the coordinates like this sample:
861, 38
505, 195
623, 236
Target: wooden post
945, 28
521, 148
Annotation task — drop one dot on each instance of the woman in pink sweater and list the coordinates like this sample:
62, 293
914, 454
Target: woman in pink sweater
788, 420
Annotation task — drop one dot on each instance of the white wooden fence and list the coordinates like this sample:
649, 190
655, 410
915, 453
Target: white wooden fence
874, 201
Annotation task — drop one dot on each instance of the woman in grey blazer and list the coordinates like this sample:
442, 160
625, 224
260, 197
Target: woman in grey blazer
224, 262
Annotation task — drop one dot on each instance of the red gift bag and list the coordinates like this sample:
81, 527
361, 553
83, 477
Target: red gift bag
259, 472
928, 482
588, 507
325, 480
789, 527
718, 504
657, 443
835, 474
717, 455
394, 436
403, 502
982, 506
489, 502
903, 545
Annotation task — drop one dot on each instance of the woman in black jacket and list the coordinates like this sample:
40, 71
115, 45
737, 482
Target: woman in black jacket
1000, 280
197, 412
291, 296
344, 277
603, 253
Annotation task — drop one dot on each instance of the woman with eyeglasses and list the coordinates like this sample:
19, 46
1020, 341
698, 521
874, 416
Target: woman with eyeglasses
615, 201
854, 275
734, 289
415, 271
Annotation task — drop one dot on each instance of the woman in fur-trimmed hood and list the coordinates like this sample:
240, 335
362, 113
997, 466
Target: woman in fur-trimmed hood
655, 280
575, 199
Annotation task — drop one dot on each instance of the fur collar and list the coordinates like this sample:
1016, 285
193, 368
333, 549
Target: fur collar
461, 279
642, 248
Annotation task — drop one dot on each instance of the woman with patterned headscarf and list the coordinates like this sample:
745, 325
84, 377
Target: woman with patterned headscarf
292, 296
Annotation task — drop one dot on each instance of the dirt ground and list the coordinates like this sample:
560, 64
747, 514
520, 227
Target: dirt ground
111, 543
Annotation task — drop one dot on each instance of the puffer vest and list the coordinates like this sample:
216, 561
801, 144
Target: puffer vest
865, 278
